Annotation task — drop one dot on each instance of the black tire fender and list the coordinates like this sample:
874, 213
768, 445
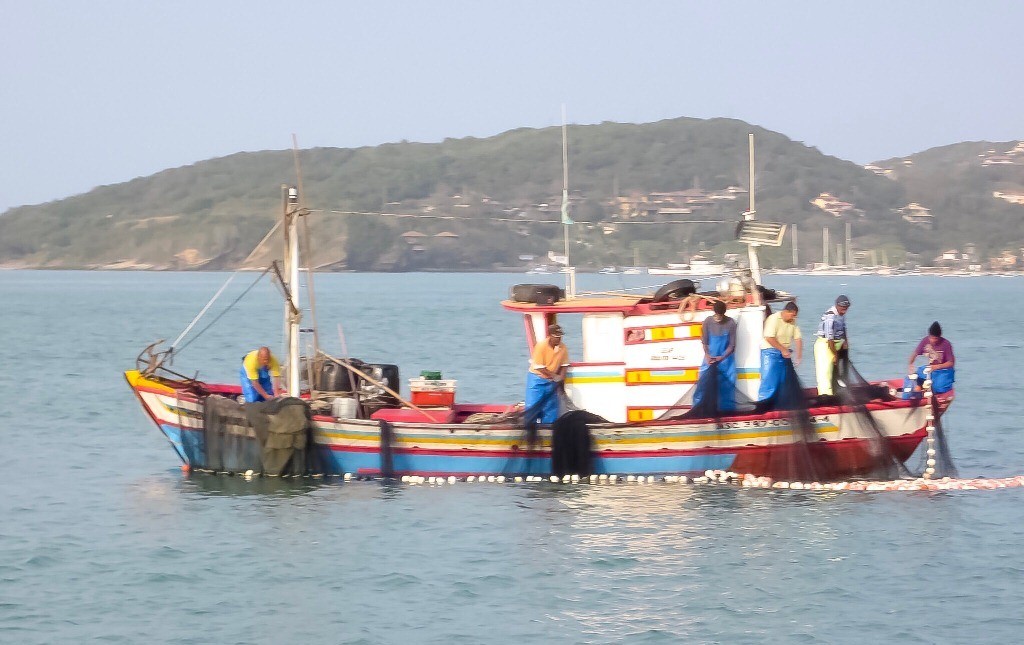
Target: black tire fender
675, 290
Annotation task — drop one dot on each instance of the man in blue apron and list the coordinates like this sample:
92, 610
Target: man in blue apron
718, 335
781, 337
549, 363
260, 375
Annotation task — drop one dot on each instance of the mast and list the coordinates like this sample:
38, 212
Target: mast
570, 272
824, 246
755, 266
291, 264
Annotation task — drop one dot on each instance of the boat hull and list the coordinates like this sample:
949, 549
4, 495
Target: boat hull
760, 445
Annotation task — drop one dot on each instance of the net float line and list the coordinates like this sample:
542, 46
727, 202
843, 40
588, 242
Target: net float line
710, 477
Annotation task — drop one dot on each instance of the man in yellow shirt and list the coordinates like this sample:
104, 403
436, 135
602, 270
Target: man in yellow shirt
781, 336
549, 362
260, 375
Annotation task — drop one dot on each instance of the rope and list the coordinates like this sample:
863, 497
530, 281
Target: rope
688, 307
226, 309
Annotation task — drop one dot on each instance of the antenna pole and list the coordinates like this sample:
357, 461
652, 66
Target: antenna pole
570, 272
291, 263
755, 266
307, 250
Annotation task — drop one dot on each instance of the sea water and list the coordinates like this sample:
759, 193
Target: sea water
103, 538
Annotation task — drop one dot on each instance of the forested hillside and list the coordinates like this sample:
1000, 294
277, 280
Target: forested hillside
488, 198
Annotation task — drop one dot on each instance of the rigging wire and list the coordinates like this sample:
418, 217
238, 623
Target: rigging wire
203, 311
225, 310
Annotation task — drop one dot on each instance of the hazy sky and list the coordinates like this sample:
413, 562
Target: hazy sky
101, 92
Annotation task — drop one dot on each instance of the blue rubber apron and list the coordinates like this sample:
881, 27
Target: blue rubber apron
726, 373
942, 380
541, 398
250, 393
773, 372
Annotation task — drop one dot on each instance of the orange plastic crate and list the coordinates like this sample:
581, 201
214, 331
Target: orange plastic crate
434, 398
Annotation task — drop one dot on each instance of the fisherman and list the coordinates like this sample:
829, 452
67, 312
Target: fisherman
548, 365
718, 335
260, 375
781, 336
831, 340
940, 359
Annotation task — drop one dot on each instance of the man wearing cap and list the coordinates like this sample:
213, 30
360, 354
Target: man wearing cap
940, 359
831, 339
548, 365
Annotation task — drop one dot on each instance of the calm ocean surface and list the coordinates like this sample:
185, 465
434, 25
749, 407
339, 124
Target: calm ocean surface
103, 538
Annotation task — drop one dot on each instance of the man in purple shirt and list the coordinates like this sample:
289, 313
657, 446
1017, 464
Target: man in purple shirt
940, 359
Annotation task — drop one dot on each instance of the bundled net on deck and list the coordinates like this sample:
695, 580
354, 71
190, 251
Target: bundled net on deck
271, 438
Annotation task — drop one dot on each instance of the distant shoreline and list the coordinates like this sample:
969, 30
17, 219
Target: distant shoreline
528, 277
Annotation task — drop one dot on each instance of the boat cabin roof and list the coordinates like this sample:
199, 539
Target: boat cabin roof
637, 305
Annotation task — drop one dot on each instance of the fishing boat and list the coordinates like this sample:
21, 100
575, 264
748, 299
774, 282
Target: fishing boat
641, 358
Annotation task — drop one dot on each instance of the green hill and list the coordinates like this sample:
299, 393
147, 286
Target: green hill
212, 213
957, 183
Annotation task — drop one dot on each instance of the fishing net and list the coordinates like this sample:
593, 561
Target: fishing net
571, 440
270, 438
944, 466
791, 456
853, 392
937, 455
572, 446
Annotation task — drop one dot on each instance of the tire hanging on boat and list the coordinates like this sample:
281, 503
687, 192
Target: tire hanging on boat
675, 290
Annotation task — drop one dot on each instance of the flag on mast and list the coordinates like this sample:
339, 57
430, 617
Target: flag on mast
565, 208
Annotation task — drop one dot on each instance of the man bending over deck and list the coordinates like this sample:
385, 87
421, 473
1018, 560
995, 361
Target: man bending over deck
940, 359
781, 335
260, 375
548, 365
